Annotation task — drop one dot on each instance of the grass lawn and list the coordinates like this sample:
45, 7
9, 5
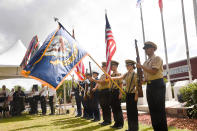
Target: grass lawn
58, 122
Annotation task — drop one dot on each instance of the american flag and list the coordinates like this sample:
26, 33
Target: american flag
80, 71
160, 5
80, 68
110, 45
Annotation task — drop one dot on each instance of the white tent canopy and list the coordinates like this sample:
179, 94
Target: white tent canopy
25, 83
10, 61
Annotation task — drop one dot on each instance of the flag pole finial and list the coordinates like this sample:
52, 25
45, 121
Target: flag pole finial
55, 19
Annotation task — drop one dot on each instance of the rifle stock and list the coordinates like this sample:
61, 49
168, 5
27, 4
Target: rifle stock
139, 72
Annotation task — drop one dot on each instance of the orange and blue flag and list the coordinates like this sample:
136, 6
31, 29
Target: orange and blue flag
55, 59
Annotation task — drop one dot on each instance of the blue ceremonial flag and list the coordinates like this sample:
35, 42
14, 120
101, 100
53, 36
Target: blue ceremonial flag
55, 59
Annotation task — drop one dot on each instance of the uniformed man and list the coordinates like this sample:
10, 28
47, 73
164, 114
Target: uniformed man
36, 98
52, 95
104, 97
156, 88
131, 95
88, 98
116, 96
83, 100
78, 100
31, 101
43, 96
18, 101
10, 98
95, 99
4, 109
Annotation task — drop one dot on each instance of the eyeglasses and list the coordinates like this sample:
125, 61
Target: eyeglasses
128, 65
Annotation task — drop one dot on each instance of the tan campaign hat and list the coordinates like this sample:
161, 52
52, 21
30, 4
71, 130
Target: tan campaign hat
149, 44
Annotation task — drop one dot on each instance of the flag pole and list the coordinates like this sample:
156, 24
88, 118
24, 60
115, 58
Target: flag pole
186, 42
143, 32
107, 74
195, 13
77, 82
65, 97
165, 47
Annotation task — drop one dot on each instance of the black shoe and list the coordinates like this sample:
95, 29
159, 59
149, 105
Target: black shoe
101, 123
89, 118
78, 116
51, 114
84, 117
114, 126
119, 127
105, 123
95, 120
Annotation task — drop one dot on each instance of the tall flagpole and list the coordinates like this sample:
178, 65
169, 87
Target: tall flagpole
165, 47
195, 13
142, 21
186, 43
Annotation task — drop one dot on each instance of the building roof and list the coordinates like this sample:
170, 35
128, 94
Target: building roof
13, 56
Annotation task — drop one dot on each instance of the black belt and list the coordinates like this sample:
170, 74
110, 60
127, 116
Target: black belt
153, 81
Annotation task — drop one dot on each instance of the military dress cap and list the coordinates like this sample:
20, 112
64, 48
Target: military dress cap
149, 44
130, 62
104, 63
113, 62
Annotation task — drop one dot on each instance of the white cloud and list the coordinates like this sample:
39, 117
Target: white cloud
32, 17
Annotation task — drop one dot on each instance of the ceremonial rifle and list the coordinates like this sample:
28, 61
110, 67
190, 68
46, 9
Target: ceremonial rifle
86, 86
139, 72
91, 82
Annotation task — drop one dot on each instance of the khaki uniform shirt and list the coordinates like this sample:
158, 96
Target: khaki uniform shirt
153, 62
104, 85
119, 82
130, 87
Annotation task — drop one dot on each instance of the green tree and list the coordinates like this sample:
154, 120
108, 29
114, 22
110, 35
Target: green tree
60, 90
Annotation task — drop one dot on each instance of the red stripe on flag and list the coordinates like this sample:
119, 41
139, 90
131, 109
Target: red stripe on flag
161, 4
110, 45
80, 71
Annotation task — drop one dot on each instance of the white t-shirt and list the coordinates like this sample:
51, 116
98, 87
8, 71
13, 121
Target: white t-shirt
45, 91
36, 93
31, 94
7, 93
52, 92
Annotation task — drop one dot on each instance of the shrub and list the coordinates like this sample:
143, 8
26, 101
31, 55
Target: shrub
189, 95
123, 98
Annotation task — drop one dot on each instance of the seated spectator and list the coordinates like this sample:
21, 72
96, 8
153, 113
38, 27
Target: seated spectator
4, 109
18, 102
